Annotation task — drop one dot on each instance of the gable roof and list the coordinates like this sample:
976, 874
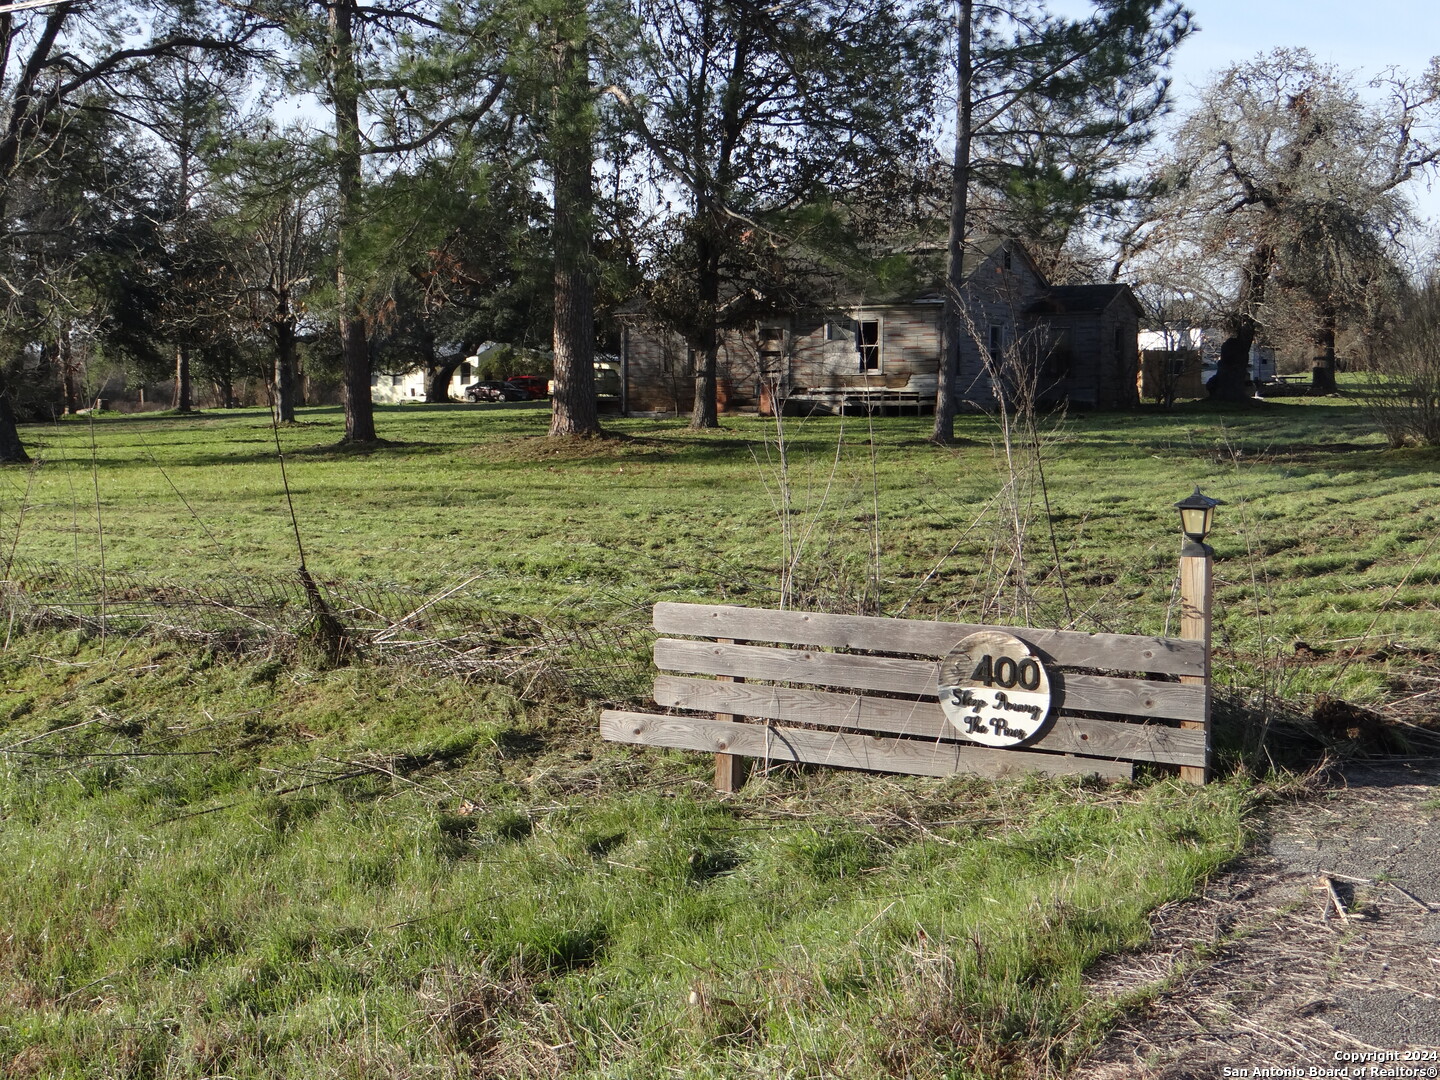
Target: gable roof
1082, 299
977, 252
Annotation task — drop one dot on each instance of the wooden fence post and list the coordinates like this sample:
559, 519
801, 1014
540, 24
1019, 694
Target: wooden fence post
1197, 589
729, 768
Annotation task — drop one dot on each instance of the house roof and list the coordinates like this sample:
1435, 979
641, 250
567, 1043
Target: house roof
1057, 299
977, 252
1081, 299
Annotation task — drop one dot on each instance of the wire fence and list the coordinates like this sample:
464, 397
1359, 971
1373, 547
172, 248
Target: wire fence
597, 651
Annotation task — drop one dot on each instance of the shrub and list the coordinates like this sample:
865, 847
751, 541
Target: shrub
1403, 393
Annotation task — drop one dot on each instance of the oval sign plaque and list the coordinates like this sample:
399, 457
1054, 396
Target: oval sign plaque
994, 690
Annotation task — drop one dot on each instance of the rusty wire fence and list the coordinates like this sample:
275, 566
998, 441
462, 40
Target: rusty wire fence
598, 650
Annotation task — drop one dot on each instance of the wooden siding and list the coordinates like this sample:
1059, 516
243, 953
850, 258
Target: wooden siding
659, 369
909, 351
818, 354
995, 296
1101, 375
1158, 373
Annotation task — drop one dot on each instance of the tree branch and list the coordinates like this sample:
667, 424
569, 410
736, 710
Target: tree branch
440, 127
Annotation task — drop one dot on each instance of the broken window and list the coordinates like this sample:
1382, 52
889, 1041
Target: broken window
867, 343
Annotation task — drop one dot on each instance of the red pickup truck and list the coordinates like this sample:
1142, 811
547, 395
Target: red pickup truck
533, 383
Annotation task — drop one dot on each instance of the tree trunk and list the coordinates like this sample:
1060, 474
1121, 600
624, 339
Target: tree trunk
12, 450
1322, 373
182, 400
69, 384
1231, 381
355, 351
575, 410
952, 321
284, 390
705, 412
437, 381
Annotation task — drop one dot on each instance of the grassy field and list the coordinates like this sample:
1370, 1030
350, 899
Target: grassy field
1326, 536
229, 868
254, 865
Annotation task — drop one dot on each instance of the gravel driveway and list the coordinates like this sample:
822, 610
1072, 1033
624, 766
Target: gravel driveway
1262, 975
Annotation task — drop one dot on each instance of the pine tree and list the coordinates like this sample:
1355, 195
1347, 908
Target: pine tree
1085, 80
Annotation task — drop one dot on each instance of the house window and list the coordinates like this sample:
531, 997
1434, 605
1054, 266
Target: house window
1061, 361
867, 343
464, 372
1005, 258
997, 342
396, 380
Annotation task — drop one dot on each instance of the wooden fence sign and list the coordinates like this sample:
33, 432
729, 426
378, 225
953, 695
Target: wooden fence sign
920, 697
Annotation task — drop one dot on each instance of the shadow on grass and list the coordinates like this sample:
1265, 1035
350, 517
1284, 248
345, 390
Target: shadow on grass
263, 452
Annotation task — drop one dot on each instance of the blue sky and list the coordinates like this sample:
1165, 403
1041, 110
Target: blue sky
1365, 37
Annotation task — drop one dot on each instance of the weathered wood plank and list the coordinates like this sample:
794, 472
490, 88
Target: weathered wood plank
729, 768
1196, 598
1115, 652
844, 750
1087, 693
923, 719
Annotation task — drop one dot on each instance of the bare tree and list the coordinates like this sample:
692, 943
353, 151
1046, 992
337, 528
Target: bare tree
1402, 392
1288, 187
280, 231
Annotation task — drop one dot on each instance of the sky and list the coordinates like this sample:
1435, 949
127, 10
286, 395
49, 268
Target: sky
1365, 37
1361, 37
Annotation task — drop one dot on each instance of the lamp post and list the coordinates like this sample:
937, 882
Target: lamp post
1197, 513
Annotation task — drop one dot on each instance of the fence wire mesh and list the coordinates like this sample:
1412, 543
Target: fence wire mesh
596, 650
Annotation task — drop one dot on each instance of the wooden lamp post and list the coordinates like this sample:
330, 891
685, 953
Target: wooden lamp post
1196, 598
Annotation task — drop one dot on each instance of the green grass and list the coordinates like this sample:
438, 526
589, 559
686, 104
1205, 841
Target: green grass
252, 866
332, 874
1326, 535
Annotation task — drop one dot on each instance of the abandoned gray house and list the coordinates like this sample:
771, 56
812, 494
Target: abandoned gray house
1071, 343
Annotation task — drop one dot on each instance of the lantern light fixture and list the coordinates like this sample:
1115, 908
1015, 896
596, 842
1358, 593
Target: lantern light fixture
1196, 514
